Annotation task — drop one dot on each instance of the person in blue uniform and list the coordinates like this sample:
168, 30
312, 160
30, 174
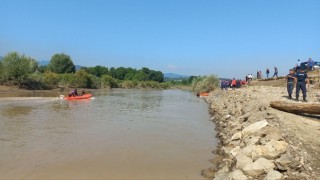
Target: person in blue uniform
291, 79
302, 81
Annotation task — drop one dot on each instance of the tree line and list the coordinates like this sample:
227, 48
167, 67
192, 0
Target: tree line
23, 71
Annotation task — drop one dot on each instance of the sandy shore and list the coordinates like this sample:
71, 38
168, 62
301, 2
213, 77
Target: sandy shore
259, 142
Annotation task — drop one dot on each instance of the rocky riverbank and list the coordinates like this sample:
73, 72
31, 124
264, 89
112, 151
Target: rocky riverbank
258, 142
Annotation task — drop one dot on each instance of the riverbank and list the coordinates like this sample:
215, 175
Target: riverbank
259, 142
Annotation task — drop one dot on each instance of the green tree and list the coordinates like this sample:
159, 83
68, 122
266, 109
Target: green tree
156, 76
121, 73
140, 76
83, 79
112, 72
145, 70
16, 68
98, 71
61, 63
108, 82
129, 76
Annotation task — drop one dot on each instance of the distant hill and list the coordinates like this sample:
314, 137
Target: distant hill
43, 63
78, 67
1, 58
174, 76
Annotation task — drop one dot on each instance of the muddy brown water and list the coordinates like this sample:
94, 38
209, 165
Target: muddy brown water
120, 134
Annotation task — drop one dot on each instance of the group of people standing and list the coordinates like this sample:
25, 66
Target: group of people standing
300, 80
275, 74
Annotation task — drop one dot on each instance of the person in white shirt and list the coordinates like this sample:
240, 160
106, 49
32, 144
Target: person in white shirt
298, 65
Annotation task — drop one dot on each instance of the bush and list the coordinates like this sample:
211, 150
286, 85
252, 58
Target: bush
51, 79
36, 81
67, 80
165, 85
129, 84
205, 84
95, 81
16, 68
82, 79
108, 82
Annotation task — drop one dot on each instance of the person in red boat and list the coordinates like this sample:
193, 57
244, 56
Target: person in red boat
73, 93
83, 92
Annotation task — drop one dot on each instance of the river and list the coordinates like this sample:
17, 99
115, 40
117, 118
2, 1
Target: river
118, 134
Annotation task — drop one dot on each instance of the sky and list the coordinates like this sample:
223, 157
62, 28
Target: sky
229, 38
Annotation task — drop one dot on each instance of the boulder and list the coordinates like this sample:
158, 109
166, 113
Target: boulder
235, 151
242, 161
248, 150
258, 167
222, 174
268, 134
252, 128
252, 140
237, 175
236, 136
273, 175
287, 161
271, 150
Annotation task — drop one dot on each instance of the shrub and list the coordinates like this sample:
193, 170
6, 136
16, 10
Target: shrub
205, 84
16, 68
67, 80
51, 79
36, 81
129, 84
82, 79
108, 82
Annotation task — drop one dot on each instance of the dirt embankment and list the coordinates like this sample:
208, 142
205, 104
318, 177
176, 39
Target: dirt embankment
259, 142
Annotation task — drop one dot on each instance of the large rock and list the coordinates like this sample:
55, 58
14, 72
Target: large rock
271, 150
258, 167
273, 175
268, 134
252, 140
242, 161
235, 151
237, 175
222, 174
287, 161
248, 150
236, 136
252, 128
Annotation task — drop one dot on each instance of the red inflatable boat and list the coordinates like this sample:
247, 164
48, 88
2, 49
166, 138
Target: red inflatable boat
86, 96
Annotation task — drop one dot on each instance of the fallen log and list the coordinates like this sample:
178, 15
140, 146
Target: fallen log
297, 108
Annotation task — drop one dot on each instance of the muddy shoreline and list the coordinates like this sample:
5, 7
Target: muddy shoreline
258, 142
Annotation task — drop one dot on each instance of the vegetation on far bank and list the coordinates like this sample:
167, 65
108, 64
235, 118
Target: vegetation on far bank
24, 72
